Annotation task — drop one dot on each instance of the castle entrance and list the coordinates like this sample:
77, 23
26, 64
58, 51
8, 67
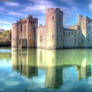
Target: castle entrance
24, 43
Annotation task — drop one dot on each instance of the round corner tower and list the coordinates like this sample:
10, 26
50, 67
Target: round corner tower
14, 36
54, 28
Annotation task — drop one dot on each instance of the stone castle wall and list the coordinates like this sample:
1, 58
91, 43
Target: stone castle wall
14, 36
70, 38
24, 33
52, 35
41, 37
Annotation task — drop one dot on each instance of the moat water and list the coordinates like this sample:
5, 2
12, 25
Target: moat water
34, 70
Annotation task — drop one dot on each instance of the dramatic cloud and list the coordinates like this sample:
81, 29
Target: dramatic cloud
41, 6
12, 11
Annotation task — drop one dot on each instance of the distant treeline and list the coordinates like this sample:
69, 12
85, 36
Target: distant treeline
5, 38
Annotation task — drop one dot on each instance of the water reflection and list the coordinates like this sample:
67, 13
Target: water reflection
53, 62
24, 62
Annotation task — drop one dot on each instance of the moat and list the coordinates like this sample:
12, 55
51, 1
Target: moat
36, 70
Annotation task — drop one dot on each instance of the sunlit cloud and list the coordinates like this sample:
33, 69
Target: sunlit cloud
4, 22
41, 6
19, 9
8, 27
5, 25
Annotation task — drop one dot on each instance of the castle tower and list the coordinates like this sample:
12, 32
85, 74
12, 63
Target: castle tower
14, 36
32, 24
24, 33
79, 19
84, 29
54, 28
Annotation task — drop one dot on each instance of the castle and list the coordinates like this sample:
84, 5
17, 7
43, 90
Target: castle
53, 35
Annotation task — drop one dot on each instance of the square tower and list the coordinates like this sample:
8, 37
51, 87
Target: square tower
24, 33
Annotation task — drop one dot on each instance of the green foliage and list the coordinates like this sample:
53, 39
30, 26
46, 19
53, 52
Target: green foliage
5, 37
5, 33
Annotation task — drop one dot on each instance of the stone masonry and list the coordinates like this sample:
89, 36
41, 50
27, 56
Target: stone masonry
27, 34
24, 33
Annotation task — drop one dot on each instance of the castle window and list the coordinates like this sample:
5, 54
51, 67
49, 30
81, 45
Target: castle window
33, 28
64, 33
33, 22
21, 27
69, 33
40, 38
89, 28
83, 27
53, 18
52, 36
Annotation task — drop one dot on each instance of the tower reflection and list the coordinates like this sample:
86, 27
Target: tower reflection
24, 62
53, 62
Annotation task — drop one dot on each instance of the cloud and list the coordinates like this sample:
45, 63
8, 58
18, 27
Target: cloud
4, 22
2, 10
41, 20
41, 6
37, 9
5, 27
15, 13
70, 10
69, 2
90, 6
12, 4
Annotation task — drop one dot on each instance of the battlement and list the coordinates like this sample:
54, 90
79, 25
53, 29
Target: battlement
29, 17
14, 24
41, 29
25, 20
82, 19
52, 10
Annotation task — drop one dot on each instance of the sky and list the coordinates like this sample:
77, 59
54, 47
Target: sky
13, 10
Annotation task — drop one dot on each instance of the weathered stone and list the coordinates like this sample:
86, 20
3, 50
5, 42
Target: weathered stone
52, 35
24, 33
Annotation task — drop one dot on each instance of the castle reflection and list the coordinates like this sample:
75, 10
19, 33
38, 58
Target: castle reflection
25, 63
53, 62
